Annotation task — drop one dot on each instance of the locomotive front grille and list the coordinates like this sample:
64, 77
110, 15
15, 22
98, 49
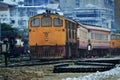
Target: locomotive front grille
47, 52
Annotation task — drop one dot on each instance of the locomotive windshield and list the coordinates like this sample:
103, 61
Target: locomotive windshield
35, 22
46, 21
58, 22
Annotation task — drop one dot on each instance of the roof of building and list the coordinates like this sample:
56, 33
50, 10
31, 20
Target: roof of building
7, 3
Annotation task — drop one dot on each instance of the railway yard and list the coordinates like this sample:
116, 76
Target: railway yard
58, 48
43, 70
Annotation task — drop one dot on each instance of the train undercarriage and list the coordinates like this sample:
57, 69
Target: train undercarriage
49, 52
69, 51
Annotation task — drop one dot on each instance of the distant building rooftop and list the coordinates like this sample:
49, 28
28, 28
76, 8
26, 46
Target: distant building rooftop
9, 2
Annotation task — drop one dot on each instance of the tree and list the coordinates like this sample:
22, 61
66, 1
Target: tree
7, 30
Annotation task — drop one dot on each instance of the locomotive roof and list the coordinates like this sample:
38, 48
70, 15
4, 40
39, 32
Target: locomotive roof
52, 14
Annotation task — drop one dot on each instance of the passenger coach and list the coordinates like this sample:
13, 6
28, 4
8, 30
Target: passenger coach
99, 38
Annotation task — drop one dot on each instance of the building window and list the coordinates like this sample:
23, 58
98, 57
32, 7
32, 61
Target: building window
13, 0
77, 3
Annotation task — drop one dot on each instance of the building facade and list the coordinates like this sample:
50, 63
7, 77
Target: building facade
30, 8
7, 11
117, 13
93, 12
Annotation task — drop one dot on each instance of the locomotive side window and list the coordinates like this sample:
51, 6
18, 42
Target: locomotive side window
35, 22
70, 34
73, 36
58, 22
73, 30
71, 26
46, 21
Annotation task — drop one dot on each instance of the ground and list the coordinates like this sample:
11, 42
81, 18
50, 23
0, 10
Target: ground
42, 72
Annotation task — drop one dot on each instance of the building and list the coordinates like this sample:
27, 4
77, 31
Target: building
7, 12
84, 11
117, 13
33, 7
8, 9
89, 11
19, 14
35, 2
53, 1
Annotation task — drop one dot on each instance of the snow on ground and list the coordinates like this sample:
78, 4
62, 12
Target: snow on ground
98, 75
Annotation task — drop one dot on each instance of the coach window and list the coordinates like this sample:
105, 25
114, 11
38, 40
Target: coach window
105, 36
58, 22
118, 37
93, 36
68, 24
46, 21
35, 22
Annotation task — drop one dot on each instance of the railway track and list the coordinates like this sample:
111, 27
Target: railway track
67, 65
27, 62
88, 66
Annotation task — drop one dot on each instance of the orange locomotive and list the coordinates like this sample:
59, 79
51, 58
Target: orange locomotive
52, 36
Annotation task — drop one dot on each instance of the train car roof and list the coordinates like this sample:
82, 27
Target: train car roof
82, 25
91, 27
